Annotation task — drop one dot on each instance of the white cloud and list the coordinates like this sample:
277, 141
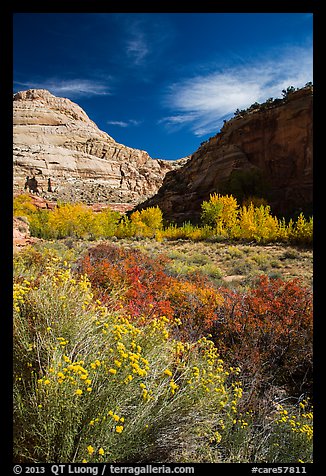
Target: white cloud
202, 102
72, 88
129, 122
117, 123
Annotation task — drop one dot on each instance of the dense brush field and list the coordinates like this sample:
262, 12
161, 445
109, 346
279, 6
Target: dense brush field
131, 345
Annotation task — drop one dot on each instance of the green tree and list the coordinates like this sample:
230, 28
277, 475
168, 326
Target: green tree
289, 90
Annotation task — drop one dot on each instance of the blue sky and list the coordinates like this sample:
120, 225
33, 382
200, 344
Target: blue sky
162, 82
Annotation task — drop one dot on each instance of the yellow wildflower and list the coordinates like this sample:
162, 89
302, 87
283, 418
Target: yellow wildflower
168, 372
90, 449
101, 451
128, 379
78, 391
173, 386
119, 428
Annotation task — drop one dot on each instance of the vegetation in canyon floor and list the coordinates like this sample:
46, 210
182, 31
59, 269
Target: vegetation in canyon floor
120, 357
222, 219
137, 342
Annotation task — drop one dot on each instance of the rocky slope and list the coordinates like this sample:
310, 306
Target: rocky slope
21, 234
265, 152
53, 138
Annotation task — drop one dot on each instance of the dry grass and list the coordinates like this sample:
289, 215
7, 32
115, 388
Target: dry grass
231, 263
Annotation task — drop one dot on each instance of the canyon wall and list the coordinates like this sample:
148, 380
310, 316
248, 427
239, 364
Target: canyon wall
53, 138
267, 152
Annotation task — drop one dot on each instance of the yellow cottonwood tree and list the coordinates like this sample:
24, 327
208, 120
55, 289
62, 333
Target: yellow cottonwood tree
221, 212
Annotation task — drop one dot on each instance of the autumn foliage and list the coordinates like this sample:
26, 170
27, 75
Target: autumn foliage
253, 221
266, 330
269, 330
146, 290
222, 218
129, 356
115, 356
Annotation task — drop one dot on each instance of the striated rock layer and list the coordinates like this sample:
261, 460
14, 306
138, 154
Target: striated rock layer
266, 152
53, 138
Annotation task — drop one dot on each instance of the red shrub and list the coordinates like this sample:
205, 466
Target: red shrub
268, 332
140, 280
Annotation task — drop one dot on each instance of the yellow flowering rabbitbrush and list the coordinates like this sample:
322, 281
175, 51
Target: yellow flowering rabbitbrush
116, 393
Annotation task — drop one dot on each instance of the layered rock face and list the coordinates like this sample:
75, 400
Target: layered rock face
53, 138
265, 152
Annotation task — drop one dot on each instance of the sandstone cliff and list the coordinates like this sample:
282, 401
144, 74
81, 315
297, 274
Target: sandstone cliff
53, 138
266, 152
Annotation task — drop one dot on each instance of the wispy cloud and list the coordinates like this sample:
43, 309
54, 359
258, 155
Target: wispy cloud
72, 88
145, 37
136, 36
137, 47
129, 122
202, 102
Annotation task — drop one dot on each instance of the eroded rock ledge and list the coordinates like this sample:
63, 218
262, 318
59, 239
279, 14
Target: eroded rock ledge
53, 138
